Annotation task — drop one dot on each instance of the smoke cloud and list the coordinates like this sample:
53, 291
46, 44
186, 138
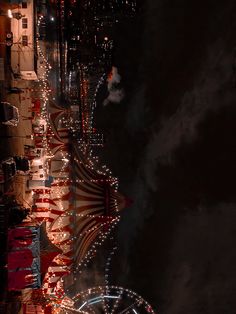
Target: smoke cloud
116, 93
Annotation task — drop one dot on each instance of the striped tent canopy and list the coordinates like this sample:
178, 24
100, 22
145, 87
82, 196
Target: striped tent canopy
80, 211
55, 112
52, 140
96, 207
55, 142
45, 209
93, 209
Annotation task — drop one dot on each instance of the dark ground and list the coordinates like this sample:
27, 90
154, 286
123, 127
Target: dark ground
172, 144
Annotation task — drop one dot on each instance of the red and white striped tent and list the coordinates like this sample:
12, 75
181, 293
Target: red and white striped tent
80, 208
79, 213
55, 113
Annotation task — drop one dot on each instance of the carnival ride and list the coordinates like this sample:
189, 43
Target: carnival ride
108, 300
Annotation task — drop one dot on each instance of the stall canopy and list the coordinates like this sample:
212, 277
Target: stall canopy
30, 255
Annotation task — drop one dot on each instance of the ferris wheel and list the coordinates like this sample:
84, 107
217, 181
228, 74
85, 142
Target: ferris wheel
107, 300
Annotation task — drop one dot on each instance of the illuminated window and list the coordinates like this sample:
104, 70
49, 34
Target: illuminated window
24, 23
24, 40
24, 4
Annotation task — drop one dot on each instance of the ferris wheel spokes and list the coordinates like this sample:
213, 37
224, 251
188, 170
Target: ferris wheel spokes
109, 300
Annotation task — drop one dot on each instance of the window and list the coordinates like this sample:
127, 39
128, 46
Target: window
24, 23
24, 4
24, 40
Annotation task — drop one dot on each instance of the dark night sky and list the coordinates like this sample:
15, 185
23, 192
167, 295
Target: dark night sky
171, 142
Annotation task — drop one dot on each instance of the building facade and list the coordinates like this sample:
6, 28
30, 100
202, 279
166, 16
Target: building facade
23, 51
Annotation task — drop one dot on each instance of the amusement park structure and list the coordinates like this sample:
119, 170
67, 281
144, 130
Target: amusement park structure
106, 299
79, 210
76, 205
81, 206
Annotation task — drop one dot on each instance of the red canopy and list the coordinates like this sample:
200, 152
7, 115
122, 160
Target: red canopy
46, 260
19, 237
18, 280
20, 259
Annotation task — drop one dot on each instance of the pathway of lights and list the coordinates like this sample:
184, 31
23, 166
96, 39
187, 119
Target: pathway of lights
106, 299
108, 262
99, 84
89, 159
45, 97
44, 89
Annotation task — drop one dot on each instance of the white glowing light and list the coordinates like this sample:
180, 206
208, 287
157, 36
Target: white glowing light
80, 308
111, 297
9, 14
